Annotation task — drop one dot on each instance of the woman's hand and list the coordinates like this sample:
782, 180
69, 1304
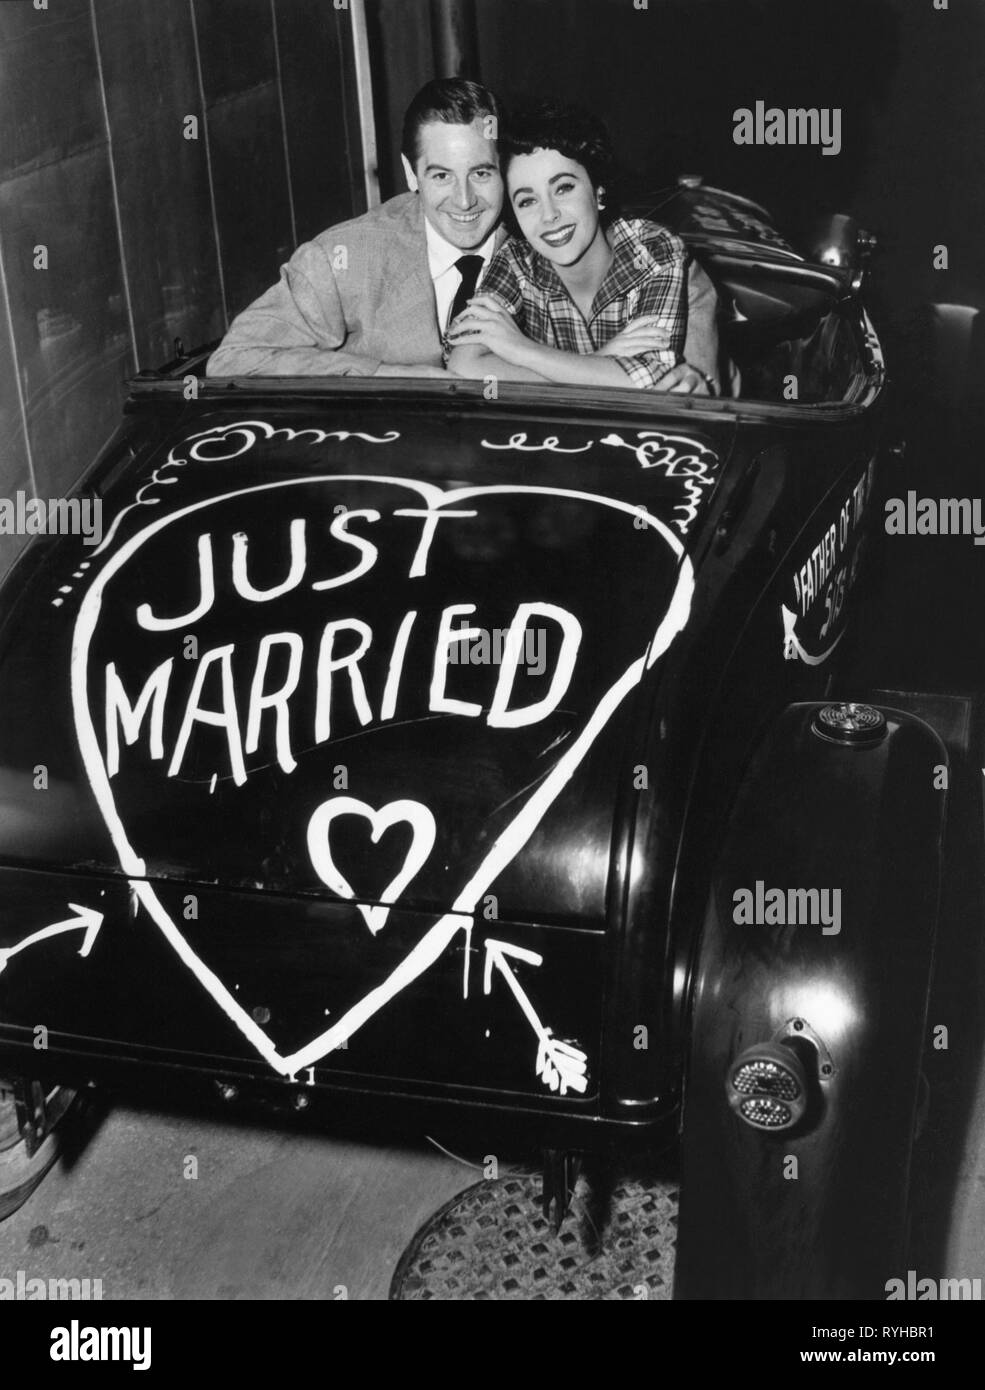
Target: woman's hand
485, 323
642, 335
685, 380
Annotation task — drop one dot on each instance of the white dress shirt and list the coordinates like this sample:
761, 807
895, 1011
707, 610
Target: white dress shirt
445, 276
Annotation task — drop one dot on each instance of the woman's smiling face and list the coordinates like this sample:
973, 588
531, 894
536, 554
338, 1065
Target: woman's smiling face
554, 203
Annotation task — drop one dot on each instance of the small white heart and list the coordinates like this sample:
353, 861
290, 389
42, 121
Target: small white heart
417, 816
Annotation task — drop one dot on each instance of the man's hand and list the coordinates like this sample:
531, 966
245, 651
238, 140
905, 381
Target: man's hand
684, 380
410, 369
642, 335
485, 323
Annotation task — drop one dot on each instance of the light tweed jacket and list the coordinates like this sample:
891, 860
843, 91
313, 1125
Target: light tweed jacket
360, 294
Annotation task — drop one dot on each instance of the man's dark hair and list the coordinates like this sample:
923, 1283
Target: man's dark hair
573, 132
453, 100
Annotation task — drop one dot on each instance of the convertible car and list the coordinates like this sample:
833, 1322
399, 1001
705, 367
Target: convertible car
490, 760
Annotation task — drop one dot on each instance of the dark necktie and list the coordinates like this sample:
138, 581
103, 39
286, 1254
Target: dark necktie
468, 267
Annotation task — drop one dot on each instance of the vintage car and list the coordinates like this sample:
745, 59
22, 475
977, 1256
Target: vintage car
484, 759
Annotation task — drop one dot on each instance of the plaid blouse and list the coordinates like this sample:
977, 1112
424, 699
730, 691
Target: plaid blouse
648, 275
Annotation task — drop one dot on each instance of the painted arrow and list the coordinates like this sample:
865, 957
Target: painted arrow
791, 642
86, 919
559, 1065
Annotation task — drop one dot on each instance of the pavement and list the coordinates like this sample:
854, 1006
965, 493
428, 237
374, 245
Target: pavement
169, 1206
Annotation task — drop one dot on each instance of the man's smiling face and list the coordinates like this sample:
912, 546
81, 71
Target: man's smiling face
458, 178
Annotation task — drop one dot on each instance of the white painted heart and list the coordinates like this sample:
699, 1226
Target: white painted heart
411, 813
654, 642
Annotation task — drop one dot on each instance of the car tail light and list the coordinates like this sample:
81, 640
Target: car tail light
767, 1086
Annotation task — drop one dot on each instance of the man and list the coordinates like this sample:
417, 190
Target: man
374, 296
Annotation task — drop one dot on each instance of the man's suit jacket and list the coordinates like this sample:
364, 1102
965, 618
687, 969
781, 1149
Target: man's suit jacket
361, 294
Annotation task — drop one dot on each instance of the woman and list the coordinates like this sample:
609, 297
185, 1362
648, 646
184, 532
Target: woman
582, 297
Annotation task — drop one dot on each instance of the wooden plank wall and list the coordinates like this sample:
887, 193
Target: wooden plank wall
150, 235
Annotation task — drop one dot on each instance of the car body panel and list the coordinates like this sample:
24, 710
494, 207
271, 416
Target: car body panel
503, 860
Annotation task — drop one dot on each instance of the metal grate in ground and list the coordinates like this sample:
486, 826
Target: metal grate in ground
492, 1242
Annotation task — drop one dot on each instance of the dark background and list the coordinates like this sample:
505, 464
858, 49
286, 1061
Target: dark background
151, 236
910, 81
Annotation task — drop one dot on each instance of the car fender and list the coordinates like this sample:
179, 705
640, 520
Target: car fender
817, 1210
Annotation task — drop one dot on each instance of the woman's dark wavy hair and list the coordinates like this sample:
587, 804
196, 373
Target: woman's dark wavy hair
572, 131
